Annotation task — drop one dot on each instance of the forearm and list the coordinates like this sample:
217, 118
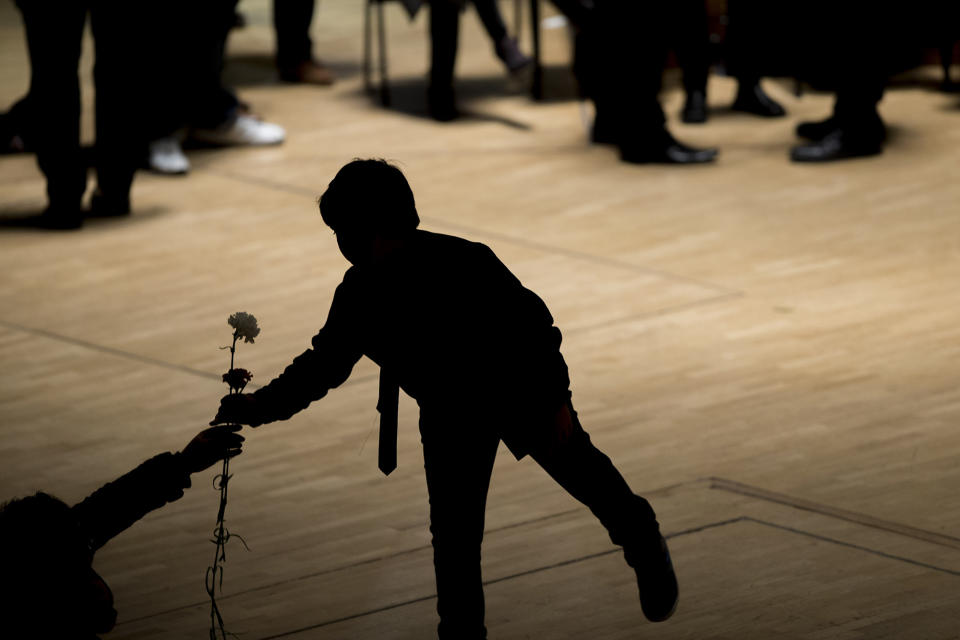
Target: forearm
307, 379
118, 504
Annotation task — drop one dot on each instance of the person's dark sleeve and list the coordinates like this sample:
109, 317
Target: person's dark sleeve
317, 370
118, 504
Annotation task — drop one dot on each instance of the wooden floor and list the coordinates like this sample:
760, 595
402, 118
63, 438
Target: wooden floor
770, 352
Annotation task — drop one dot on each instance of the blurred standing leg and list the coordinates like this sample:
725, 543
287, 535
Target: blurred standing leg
54, 31
848, 61
295, 61
628, 51
691, 43
751, 35
444, 38
504, 46
121, 101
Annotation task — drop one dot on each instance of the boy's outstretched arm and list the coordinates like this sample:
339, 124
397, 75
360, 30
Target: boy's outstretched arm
161, 479
311, 374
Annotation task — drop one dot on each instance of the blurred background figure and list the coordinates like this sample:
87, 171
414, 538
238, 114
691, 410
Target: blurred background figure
621, 53
444, 39
50, 113
744, 50
188, 98
295, 60
852, 49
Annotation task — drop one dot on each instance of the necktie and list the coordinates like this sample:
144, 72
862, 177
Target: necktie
387, 405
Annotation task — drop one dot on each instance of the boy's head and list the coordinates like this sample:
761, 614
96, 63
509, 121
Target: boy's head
368, 199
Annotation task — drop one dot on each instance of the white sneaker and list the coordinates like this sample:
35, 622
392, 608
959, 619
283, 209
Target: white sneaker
166, 156
242, 130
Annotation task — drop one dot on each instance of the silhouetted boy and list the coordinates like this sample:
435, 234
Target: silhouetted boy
49, 588
447, 322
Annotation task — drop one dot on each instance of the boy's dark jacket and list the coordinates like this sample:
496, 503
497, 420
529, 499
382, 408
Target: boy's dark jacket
452, 325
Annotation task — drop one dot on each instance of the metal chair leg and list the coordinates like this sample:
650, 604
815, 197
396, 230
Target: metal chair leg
536, 85
384, 81
367, 48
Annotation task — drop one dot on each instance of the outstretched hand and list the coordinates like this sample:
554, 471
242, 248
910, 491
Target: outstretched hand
210, 446
237, 408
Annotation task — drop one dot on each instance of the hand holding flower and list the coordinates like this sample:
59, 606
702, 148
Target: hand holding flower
236, 408
211, 446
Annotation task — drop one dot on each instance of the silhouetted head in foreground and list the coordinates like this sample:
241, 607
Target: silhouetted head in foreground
370, 207
49, 588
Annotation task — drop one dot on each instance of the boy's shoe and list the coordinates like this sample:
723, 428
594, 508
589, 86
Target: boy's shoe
243, 129
656, 579
166, 156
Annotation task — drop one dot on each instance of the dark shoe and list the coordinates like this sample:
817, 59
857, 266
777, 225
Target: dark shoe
753, 99
817, 131
442, 104
837, 145
602, 133
664, 149
308, 72
509, 53
57, 219
695, 108
102, 206
656, 579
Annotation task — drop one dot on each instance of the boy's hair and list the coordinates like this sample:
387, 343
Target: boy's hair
369, 196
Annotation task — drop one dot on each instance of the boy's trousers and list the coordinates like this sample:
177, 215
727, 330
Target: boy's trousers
458, 459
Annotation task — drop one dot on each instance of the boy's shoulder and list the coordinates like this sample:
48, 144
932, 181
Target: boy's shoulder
443, 243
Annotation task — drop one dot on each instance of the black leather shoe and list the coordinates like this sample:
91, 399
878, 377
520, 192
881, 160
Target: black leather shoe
442, 104
57, 219
837, 145
102, 206
695, 108
656, 579
666, 150
601, 132
817, 131
753, 99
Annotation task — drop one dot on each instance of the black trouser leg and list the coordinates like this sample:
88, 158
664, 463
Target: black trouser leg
631, 108
209, 102
54, 31
492, 21
458, 459
120, 94
444, 36
855, 109
589, 476
691, 42
291, 20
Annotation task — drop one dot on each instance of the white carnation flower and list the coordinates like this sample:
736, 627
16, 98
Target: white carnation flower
245, 325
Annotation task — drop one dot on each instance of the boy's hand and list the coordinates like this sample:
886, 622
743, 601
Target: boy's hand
238, 408
211, 445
